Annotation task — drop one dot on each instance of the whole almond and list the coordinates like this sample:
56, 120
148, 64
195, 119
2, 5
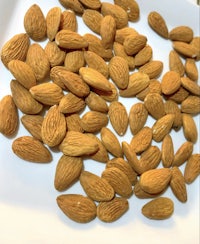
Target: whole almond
138, 81
158, 24
125, 167
38, 60
15, 48
111, 142
30, 149
95, 79
47, 93
55, 76
74, 5
118, 117
9, 116
122, 33
185, 49
191, 105
33, 123
53, 128
55, 55
119, 181
68, 20
35, 23
181, 33
131, 7
92, 4
175, 63
107, 31
92, 18
159, 208
95, 61
78, 208
96, 103
53, 19
70, 40
97, 188
192, 168
171, 82
109, 96
142, 140
70, 103
162, 127
141, 194
112, 210
118, 13
74, 60
119, 71
143, 56
153, 68
189, 128
177, 184
137, 117
78, 144
74, 123
134, 43
179, 96
191, 69
155, 181
93, 121
23, 73
195, 42
167, 151
23, 99
190, 85
154, 104
68, 170
183, 153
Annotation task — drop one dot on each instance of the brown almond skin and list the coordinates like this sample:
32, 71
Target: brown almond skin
107, 31
92, 18
68, 20
97, 188
112, 210
68, 170
189, 128
191, 105
74, 5
30, 149
181, 33
192, 168
74, 60
9, 119
183, 153
153, 68
159, 208
141, 194
175, 63
53, 19
170, 83
167, 151
78, 208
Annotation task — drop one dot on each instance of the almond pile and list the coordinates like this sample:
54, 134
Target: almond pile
53, 85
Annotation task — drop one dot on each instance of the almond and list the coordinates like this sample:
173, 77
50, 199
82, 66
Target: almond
47, 93
79, 208
183, 153
74, 123
159, 208
92, 4
155, 181
191, 69
181, 33
139, 193
70, 40
112, 210
68, 170
68, 20
142, 140
162, 127
119, 71
22, 72
118, 13
53, 19
74, 5
118, 117
171, 82
111, 142
192, 168
118, 180
195, 42
143, 56
124, 32
177, 184
175, 63
70, 103
9, 116
33, 123
96, 103
107, 31
15, 48
134, 43
31, 149
179, 96
153, 68
191, 105
137, 117
167, 151
74, 60
190, 85
23, 99
53, 128
78, 144
93, 121
109, 96
97, 188
189, 128
158, 24
185, 49
92, 18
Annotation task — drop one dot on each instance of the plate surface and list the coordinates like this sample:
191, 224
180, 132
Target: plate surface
28, 209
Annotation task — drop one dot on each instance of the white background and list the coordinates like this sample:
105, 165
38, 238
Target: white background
28, 209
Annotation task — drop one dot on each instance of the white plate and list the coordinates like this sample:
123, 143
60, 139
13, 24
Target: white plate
28, 209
